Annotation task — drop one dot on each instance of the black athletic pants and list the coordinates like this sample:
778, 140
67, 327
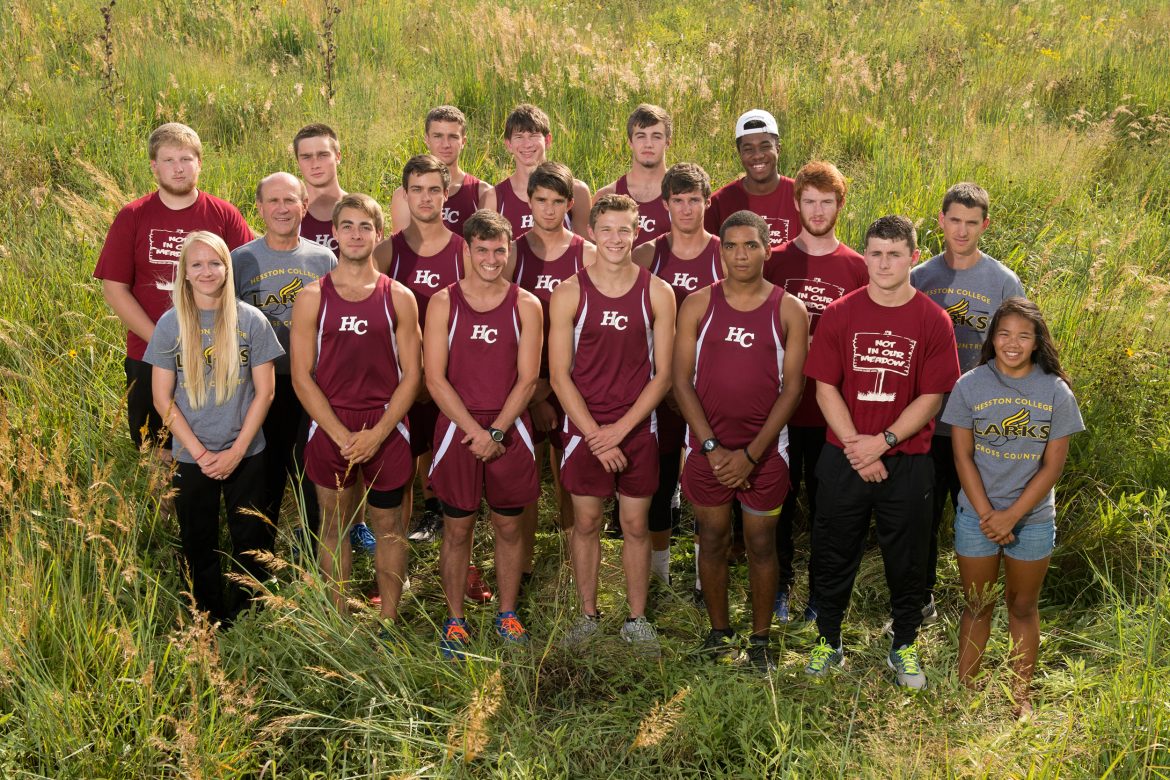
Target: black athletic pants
140, 411
901, 505
286, 429
661, 518
804, 449
946, 484
197, 504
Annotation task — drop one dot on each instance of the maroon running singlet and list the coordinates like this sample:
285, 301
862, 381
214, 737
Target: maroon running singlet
462, 204
319, 231
613, 361
357, 370
653, 218
516, 211
481, 367
739, 372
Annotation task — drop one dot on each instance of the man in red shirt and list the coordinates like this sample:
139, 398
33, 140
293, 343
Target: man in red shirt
762, 190
883, 357
137, 263
648, 131
318, 154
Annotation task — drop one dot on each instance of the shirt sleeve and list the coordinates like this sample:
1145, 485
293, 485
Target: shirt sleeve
163, 349
958, 410
116, 261
1066, 414
711, 218
1013, 287
235, 230
940, 366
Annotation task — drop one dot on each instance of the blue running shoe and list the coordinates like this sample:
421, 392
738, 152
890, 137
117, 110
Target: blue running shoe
361, 538
780, 608
455, 639
510, 629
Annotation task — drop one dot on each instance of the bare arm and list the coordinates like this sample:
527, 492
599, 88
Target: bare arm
488, 199
644, 254
560, 354
863, 450
399, 211
384, 256
683, 364
527, 361
581, 205
162, 385
963, 447
510, 268
436, 354
794, 318
608, 189
225, 462
129, 310
303, 360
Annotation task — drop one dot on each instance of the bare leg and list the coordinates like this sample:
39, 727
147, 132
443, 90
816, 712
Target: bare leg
510, 552
585, 545
978, 576
454, 556
338, 511
1022, 594
759, 533
714, 538
635, 514
390, 555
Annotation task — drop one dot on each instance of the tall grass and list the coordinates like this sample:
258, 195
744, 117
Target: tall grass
1058, 108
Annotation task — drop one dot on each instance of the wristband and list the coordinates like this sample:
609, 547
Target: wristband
748, 455
201, 456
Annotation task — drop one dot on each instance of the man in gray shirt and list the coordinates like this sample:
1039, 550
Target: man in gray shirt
269, 272
970, 286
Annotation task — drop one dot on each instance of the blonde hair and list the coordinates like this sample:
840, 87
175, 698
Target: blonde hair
224, 352
174, 134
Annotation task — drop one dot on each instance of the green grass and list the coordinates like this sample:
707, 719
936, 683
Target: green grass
1058, 108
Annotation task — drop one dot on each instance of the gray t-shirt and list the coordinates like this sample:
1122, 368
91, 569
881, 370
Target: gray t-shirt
216, 427
970, 296
1012, 421
270, 280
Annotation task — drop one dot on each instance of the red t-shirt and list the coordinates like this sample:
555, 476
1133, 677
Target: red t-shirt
881, 358
143, 243
817, 282
778, 208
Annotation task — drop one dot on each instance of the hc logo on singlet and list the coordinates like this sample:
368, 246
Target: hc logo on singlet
353, 325
685, 281
645, 224
484, 333
426, 278
740, 336
450, 216
526, 221
614, 320
546, 282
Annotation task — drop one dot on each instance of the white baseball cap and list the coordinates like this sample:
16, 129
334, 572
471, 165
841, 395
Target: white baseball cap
755, 116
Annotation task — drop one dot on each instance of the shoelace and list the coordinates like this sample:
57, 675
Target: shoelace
456, 632
820, 656
510, 624
909, 657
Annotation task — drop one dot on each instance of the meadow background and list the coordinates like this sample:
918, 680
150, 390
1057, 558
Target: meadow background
1059, 108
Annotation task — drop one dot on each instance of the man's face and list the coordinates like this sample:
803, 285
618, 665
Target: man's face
818, 211
962, 226
614, 233
527, 149
889, 262
281, 207
648, 145
176, 169
317, 160
744, 253
356, 235
759, 152
425, 196
489, 256
687, 210
549, 208
445, 140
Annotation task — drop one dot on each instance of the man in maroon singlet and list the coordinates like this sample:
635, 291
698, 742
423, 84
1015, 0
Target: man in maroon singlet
482, 348
528, 137
611, 328
688, 259
648, 131
739, 358
356, 368
818, 269
318, 154
762, 190
445, 134
541, 259
426, 257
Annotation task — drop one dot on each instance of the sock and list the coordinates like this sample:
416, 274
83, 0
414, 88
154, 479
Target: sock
698, 581
660, 564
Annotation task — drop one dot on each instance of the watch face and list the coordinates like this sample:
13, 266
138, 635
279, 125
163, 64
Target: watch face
891, 439
497, 434
710, 445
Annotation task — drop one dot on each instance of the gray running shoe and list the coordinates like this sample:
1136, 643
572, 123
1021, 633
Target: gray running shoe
581, 631
640, 633
823, 658
929, 618
907, 671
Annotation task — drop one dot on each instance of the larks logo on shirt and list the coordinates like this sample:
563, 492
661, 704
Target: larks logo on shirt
1015, 426
276, 303
614, 320
740, 336
963, 317
882, 353
685, 281
484, 333
815, 294
450, 216
353, 325
426, 278
546, 282
209, 356
164, 249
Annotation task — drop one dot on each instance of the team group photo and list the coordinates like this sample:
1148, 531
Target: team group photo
668, 416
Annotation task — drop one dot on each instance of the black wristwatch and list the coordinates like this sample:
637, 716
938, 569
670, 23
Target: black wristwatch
709, 445
496, 434
891, 439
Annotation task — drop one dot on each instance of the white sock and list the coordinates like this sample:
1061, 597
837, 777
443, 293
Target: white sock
698, 581
660, 564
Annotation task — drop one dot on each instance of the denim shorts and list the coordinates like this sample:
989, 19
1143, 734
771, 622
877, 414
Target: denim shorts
1033, 542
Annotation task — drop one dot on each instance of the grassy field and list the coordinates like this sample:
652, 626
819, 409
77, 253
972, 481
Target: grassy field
1060, 109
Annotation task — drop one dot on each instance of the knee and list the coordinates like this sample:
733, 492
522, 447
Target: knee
586, 522
760, 545
457, 533
714, 539
507, 529
1022, 607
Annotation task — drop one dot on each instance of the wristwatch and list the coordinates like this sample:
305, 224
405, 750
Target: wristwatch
709, 445
496, 434
891, 439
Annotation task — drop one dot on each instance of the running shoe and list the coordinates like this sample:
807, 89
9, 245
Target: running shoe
581, 631
760, 654
429, 526
510, 629
781, 608
455, 639
907, 670
823, 658
476, 591
361, 538
720, 646
640, 633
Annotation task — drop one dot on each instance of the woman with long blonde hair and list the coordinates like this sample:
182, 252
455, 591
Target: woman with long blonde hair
214, 413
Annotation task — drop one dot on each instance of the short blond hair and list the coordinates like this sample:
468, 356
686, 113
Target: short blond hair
174, 134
